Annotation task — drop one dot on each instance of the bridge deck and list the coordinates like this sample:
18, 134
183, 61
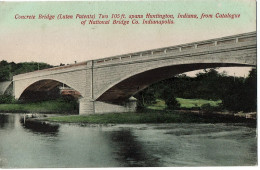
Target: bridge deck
183, 47
229, 40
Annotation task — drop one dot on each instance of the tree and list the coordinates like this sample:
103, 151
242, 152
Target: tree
7, 70
145, 97
241, 94
233, 96
251, 91
169, 98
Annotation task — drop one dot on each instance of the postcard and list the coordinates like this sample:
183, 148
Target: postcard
128, 84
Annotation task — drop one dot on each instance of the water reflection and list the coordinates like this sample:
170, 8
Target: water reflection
40, 127
6, 121
130, 151
136, 145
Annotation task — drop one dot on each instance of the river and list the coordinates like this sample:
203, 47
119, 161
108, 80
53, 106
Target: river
124, 145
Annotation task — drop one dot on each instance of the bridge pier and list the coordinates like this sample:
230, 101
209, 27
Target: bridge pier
88, 106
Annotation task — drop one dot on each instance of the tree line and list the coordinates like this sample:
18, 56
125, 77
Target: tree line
8, 70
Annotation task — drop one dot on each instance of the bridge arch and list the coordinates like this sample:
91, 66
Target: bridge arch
43, 88
129, 85
112, 75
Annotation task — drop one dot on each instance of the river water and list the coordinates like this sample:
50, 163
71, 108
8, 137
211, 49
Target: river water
127, 145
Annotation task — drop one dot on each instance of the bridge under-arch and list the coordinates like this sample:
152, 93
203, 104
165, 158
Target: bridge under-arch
45, 89
104, 82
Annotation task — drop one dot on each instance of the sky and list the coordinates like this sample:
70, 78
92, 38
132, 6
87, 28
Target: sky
65, 41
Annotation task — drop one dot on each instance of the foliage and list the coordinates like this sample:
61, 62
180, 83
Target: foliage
170, 100
251, 91
193, 103
73, 102
44, 106
145, 97
4, 99
150, 117
187, 104
206, 107
204, 86
241, 94
236, 93
8, 70
5, 70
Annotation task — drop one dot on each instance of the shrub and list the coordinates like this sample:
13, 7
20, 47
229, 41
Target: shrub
206, 107
172, 103
209, 108
170, 100
7, 99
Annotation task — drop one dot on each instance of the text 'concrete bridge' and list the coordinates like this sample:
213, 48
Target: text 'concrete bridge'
106, 85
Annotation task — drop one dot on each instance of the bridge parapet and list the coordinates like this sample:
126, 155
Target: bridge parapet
51, 71
223, 43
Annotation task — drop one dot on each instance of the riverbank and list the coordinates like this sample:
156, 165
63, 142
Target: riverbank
70, 107
68, 114
148, 117
54, 106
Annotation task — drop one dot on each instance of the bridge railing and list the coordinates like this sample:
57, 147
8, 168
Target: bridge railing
181, 48
55, 68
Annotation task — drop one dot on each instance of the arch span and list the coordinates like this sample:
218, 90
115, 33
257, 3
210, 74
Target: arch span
115, 78
130, 85
46, 89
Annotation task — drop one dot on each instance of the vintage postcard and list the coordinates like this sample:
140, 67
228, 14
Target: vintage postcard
128, 84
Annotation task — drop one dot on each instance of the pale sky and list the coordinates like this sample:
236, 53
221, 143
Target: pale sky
66, 41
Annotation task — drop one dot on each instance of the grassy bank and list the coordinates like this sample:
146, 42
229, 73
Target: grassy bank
44, 107
185, 103
153, 117
61, 106
147, 117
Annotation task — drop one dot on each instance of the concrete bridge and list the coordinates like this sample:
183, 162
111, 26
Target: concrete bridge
106, 85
